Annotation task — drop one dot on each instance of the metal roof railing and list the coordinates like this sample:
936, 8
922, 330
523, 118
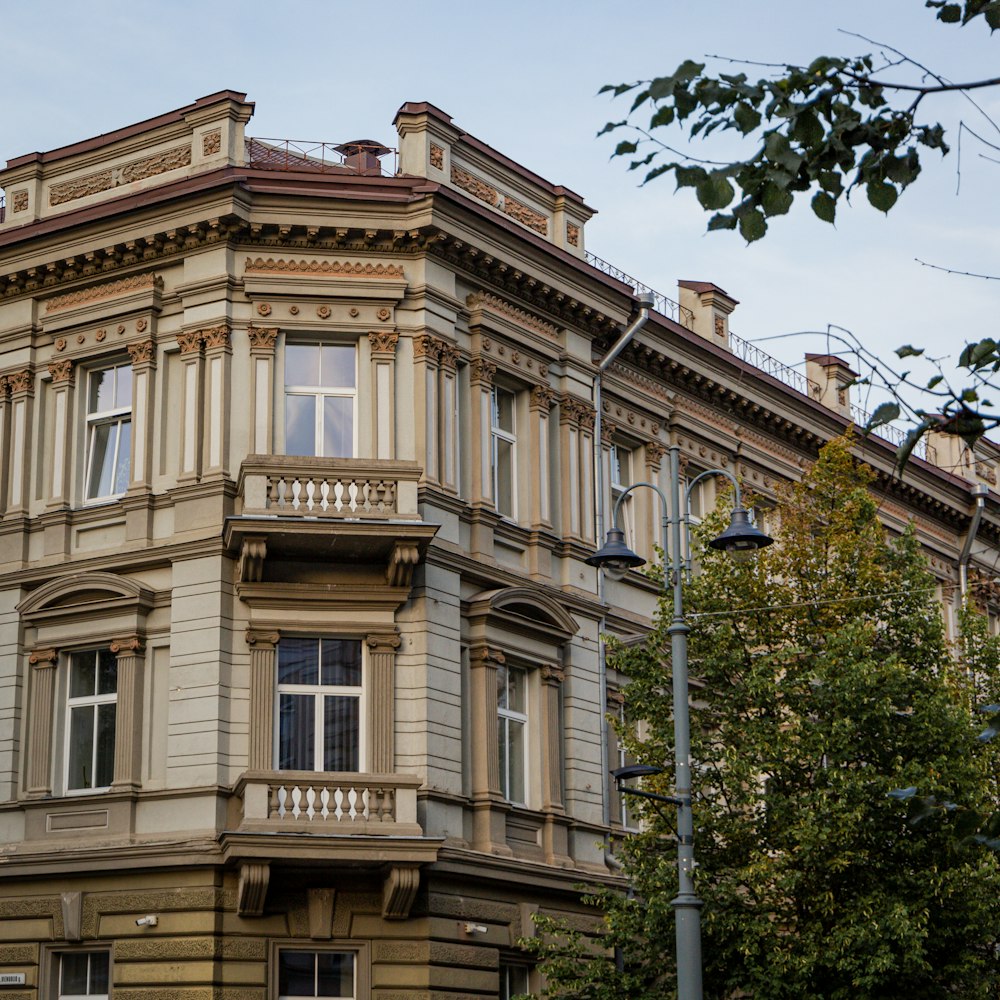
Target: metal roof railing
362, 157
663, 304
889, 432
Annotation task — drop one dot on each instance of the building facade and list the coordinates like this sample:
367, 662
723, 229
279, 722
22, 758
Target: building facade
301, 689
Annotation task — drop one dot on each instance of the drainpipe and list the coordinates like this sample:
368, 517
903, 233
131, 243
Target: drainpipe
979, 493
645, 301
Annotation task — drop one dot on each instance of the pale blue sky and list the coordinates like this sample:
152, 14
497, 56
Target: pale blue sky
523, 77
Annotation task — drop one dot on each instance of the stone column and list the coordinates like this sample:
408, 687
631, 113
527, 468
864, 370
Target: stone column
448, 469
22, 390
262, 341
263, 683
143, 355
382, 346
570, 410
551, 731
129, 651
540, 401
5, 455
381, 702
218, 364
586, 480
481, 451
38, 781
60, 433
488, 822
426, 355
191, 405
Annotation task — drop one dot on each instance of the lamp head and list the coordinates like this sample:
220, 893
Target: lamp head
630, 771
741, 538
615, 558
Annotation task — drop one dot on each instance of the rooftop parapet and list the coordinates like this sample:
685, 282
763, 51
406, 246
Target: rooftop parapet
431, 146
200, 137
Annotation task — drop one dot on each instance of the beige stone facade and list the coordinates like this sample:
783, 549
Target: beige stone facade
299, 655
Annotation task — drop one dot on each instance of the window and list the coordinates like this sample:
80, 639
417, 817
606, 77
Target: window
620, 476
315, 974
92, 702
320, 400
622, 811
503, 432
83, 974
109, 432
319, 705
512, 723
513, 981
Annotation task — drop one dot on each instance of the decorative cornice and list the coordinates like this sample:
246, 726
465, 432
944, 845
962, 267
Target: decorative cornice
474, 186
61, 371
382, 342
491, 303
109, 290
323, 268
635, 420
513, 358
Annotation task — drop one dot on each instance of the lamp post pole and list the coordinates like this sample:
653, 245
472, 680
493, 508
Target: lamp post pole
616, 559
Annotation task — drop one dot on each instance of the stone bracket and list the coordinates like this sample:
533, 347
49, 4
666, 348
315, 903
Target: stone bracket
398, 891
252, 891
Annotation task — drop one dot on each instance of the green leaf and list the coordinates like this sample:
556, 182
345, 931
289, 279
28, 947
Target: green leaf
908, 351
746, 118
753, 225
935, 381
950, 13
720, 221
715, 191
661, 87
807, 129
883, 415
625, 147
664, 116
882, 195
688, 70
824, 206
776, 200
689, 176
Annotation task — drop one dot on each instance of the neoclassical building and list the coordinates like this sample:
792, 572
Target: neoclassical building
301, 687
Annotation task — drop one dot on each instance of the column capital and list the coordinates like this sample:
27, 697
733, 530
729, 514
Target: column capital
654, 454
552, 674
262, 338
128, 645
541, 398
383, 642
262, 639
61, 371
427, 348
487, 656
189, 341
42, 659
483, 372
216, 338
383, 342
449, 356
143, 353
22, 381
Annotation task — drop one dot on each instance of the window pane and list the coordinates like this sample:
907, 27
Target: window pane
102, 457
338, 366
503, 756
300, 425
515, 791
341, 733
123, 460
298, 661
107, 672
342, 662
102, 391
515, 686
501, 686
504, 476
503, 410
335, 974
81, 748
297, 974
82, 675
105, 759
73, 973
99, 962
338, 426
296, 732
302, 364
513, 981
123, 386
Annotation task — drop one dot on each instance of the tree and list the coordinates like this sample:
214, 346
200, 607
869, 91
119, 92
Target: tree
819, 131
828, 683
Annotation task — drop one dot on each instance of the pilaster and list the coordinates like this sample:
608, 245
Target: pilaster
38, 783
263, 680
382, 347
191, 405
218, 363
60, 433
129, 651
381, 698
143, 355
262, 342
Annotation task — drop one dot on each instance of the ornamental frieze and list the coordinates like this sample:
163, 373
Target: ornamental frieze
513, 358
631, 417
109, 290
126, 173
323, 268
492, 303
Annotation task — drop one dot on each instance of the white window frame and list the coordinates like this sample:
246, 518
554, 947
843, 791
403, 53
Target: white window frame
93, 702
509, 989
506, 719
500, 434
620, 455
319, 693
321, 393
358, 952
117, 417
57, 972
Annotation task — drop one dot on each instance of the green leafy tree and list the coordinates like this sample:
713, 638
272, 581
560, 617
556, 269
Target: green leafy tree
818, 131
828, 684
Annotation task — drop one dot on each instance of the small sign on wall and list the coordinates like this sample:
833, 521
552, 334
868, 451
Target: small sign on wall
11, 978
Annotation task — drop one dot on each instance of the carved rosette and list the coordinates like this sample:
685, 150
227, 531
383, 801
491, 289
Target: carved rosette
142, 353
541, 398
61, 371
482, 372
383, 342
262, 338
437, 156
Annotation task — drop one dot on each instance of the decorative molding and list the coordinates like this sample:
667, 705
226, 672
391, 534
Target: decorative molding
426, 346
72, 915
399, 891
493, 303
109, 290
572, 234
320, 905
322, 268
126, 173
487, 656
61, 371
383, 642
526, 216
642, 382
449, 356
19, 200
324, 312
437, 156
263, 309
720, 327
513, 357
552, 674
633, 418
542, 398
211, 143
402, 562
654, 453
482, 372
141, 353
262, 637
43, 658
383, 342
216, 336
189, 341
383, 314
21, 381
252, 890
262, 338
474, 186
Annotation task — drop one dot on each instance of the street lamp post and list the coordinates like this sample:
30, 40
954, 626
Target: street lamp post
616, 559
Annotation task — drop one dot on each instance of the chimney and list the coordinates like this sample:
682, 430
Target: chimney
362, 156
705, 309
833, 376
